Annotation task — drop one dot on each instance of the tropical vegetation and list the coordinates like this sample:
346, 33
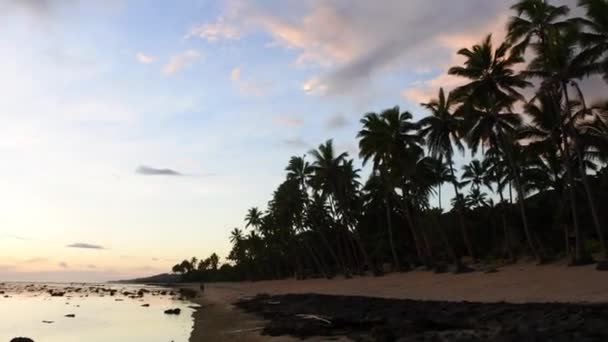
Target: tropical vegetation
535, 185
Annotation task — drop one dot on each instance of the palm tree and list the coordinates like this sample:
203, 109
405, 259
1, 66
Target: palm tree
558, 69
377, 142
476, 199
390, 139
236, 235
595, 38
476, 174
253, 218
547, 137
329, 179
443, 175
442, 131
487, 106
535, 19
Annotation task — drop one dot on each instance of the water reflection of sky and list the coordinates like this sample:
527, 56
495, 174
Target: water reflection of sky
97, 318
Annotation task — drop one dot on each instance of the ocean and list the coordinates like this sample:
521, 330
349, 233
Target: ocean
101, 313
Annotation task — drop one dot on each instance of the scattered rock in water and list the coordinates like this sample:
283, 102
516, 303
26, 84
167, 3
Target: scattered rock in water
188, 293
176, 311
22, 339
145, 305
48, 322
70, 315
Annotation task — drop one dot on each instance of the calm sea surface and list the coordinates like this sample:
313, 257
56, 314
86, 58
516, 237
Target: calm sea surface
99, 315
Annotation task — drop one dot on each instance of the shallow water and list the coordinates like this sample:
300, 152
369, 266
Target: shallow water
99, 317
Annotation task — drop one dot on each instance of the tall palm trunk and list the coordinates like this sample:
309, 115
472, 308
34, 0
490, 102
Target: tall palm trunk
588, 192
567, 160
505, 227
315, 259
463, 228
389, 224
520, 200
410, 222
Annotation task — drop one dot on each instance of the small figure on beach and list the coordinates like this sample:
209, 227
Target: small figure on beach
202, 287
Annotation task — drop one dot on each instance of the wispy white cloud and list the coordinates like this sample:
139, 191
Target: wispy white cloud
247, 86
181, 61
235, 74
144, 58
215, 31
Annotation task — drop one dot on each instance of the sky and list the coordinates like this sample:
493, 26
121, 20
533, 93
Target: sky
136, 133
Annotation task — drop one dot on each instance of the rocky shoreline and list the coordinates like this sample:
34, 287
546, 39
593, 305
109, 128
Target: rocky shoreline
381, 319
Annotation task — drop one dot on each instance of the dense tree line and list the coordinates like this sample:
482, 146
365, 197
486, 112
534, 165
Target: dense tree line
537, 185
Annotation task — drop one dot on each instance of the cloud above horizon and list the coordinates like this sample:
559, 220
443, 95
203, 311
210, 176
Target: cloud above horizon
144, 58
181, 61
338, 37
152, 171
84, 245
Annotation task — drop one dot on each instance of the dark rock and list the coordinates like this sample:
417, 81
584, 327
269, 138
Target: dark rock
145, 305
461, 269
441, 268
21, 339
378, 319
176, 311
602, 266
70, 315
382, 334
188, 293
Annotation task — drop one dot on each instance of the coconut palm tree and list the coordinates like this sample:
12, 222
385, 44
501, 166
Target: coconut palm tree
379, 142
560, 68
442, 131
487, 107
253, 218
333, 177
595, 36
476, 198
390, 139
476, 174
535, 19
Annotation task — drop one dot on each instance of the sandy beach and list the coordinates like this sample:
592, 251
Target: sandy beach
519, 283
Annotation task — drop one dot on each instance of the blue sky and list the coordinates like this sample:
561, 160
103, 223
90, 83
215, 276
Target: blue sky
221, 92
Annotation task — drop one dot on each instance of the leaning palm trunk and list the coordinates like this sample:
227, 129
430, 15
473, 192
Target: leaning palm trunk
588, 193
315, 259
463, 228
522, 205
505, 228
389, 224
446, 242
410, 222
583, 174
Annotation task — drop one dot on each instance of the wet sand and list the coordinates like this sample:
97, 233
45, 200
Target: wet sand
520, 283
